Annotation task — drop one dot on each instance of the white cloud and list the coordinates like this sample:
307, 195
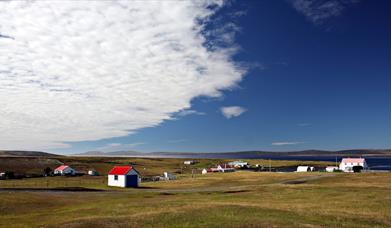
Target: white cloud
232, 111
286, 143
90, 70
318, 11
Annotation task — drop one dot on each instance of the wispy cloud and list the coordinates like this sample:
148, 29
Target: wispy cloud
177, 140
90, 70
119, 146
232, 111
190, 112
319, 11
286, 143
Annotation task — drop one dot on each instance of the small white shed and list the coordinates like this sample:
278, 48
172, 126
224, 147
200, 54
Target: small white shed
301, 169
124, 176
331, 169
190, 162
93, 173
64, 170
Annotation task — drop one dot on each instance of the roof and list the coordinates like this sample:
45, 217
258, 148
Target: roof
120, 170
353, 160
62, 167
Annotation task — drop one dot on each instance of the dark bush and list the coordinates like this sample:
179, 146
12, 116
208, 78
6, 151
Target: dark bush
357, 169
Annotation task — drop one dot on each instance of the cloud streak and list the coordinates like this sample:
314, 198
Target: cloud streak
286, 143
90, 70
232, 111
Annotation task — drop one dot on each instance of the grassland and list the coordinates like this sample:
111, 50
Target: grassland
240, 199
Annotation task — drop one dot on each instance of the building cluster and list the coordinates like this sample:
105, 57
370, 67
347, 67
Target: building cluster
347, 165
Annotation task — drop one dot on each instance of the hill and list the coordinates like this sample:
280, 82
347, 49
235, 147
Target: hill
21, 153
241, 154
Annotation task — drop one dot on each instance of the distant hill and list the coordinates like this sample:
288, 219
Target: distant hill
112, 154
21, 153
241, 154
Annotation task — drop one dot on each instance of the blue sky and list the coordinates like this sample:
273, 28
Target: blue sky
317, 77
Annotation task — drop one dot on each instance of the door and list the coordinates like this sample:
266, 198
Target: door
132, 181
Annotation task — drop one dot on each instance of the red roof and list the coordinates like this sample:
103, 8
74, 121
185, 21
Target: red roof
62, 167
353, 160
120, 170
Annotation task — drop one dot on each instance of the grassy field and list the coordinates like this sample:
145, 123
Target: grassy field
241, 199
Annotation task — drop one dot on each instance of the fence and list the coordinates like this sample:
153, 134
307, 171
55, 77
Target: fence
54, 182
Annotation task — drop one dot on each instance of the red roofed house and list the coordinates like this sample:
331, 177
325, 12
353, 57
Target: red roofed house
225, 168
347, 164
124, 176
64, 170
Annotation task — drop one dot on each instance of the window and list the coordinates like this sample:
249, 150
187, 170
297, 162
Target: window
116, 177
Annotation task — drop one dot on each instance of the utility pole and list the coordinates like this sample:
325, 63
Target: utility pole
270, 165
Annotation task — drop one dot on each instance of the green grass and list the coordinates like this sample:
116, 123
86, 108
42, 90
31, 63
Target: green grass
241, 199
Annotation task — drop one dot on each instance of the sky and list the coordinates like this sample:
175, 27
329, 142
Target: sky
195, 76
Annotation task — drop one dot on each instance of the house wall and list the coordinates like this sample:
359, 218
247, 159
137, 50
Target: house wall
302, 169
117, 183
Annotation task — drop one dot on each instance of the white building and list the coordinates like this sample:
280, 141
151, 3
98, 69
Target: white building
64, 170
169, 176
301, 169
124, 176
331, 169
347, 164
204, 171
238, 164
189, 162
93, 173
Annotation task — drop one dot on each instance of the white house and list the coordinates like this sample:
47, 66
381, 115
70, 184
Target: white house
225, 168
301, 169
331, 169
124, 176
238, 164
204, 171
93, 173
347, 164
64, 170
